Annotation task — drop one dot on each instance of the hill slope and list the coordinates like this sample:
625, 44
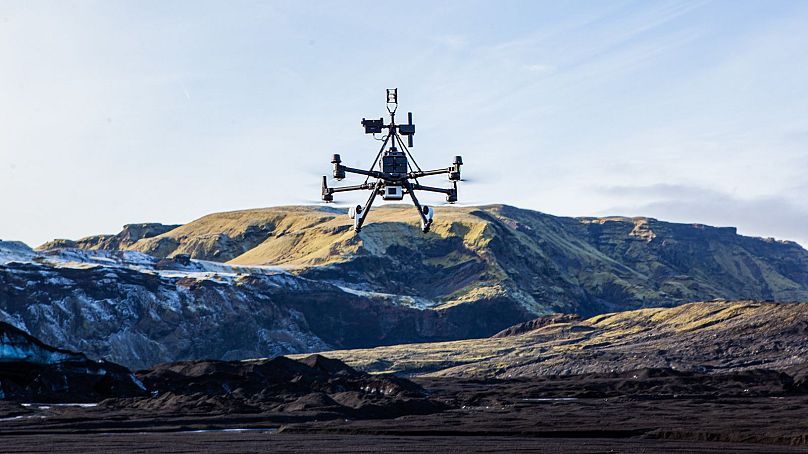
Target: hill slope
707, 337
138, 311
539, 262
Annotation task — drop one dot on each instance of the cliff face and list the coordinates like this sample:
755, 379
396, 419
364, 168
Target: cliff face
540, 262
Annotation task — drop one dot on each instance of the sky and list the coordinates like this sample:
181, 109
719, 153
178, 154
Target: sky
164, 111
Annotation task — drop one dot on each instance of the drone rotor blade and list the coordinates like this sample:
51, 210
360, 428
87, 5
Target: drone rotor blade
462, 203
304, 201
475, 179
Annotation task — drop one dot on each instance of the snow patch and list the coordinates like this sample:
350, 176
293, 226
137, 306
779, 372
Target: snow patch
15, 251
402, 300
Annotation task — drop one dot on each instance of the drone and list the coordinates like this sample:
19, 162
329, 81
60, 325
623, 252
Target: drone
394, 170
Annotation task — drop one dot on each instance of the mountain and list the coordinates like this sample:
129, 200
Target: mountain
265, 282
715, 337
527, 260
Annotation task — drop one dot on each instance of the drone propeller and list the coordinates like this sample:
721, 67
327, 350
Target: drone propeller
460, 202
307, 201
475, 179
463, 204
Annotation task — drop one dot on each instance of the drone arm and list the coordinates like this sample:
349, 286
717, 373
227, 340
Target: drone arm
356, 187
327, 193
370, 173
426, 173
421, 187
453, 171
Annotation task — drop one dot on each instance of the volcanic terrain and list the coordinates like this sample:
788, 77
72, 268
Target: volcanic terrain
729, 399
502, 329
266, 282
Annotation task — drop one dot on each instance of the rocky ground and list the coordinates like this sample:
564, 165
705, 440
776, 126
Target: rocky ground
318, 404
641, 411
266, 441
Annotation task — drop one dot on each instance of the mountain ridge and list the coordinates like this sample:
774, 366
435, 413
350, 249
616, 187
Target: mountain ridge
542, 262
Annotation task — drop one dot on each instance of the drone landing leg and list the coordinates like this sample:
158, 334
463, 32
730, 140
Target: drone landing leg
425, 222
366, 209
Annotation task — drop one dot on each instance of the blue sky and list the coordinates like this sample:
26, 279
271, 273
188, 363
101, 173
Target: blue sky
118, 112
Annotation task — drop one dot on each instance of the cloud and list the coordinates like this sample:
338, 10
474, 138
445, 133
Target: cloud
111, 113
453, 42
775, 215
540, 69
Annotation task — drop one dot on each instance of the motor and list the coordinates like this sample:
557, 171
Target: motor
339, 171
454, 171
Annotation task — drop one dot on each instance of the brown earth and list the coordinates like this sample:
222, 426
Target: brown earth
706, 337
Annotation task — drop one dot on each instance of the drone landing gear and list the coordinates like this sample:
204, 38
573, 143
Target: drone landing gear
359, 213
424, 212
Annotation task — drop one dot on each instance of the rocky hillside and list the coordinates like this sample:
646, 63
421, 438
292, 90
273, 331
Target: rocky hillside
321, 388
136, 310
707, 337
539, 262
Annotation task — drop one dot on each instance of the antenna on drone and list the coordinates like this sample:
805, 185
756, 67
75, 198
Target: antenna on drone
392, 99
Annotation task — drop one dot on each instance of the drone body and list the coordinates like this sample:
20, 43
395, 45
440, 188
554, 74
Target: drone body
394, 171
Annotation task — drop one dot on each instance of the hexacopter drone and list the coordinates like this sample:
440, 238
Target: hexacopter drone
395, 170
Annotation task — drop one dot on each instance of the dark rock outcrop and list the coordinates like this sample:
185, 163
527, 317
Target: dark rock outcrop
313, 384
33, 371
537, 323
